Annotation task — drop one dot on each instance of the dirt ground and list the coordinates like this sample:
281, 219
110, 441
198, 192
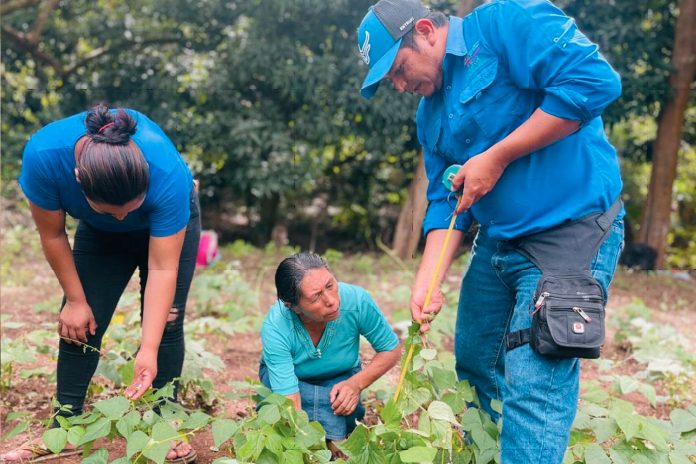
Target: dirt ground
673, 302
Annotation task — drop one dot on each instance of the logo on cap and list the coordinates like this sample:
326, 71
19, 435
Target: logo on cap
365, 49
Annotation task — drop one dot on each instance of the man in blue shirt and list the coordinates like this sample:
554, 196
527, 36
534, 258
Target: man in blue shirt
513, 92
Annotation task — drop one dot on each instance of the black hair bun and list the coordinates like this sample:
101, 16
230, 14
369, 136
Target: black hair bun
103, 126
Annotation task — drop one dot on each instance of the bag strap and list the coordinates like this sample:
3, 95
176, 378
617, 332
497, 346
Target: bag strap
516, 339
536, 246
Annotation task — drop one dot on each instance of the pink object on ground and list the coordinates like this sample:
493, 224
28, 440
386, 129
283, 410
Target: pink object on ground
207, 249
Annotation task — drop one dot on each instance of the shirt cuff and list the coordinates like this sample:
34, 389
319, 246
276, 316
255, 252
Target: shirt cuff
439, 215
563, 104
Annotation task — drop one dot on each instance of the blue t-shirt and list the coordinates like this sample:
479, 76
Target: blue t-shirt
290, 354
502, 62
48, 177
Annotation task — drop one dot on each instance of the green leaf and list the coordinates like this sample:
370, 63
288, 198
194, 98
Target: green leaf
483, 440
95, 430
18, 429
55, 439
390, 414
428, 354
162, 431
443, 378
196, 420
322, 455
594, 454
628, 384
269, 413
462, 457
454, 401
121, 460
126, 372
355, 443
149, 417
310, 435
223, 429
627, 420
595, 395
653, 431
113, 408
253, 446
620, 456
603, 428
497, 406
648, 392
100, 456
471, 419
418, 454
414, 399
676, 457
441, 411
682, 420
136, 442
157, 453
75, 433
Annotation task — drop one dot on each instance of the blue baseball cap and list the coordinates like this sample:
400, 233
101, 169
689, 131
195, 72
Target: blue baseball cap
379, 37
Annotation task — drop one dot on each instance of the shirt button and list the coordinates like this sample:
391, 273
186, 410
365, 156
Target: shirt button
449, 87
555, 39
451, 116
468, 140
478, 95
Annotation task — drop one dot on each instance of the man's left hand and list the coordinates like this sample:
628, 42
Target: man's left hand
478, 175
344, 397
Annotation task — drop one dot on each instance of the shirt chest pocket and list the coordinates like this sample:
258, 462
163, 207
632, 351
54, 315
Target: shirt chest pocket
489, 105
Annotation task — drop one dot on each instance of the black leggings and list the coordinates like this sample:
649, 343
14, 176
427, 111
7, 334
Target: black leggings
105, 262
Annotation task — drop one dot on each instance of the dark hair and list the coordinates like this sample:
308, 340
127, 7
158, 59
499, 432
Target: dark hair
291, 271
438, 18
111, 167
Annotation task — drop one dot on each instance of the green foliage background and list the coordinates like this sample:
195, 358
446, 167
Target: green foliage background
261, 97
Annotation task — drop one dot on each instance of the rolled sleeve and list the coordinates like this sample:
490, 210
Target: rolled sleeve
547, 52
441, 202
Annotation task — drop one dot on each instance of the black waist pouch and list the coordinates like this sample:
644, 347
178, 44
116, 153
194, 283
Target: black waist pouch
568, 313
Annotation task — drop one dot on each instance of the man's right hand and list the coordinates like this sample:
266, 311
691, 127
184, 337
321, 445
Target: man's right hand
425, 315
75, 320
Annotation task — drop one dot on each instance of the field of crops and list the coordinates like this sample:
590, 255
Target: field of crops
637, 401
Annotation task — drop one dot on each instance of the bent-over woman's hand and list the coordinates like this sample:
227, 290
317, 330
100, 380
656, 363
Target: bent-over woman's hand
344, 398
145, 373
75, 320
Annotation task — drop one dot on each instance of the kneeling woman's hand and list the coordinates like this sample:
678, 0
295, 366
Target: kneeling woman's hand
344, 397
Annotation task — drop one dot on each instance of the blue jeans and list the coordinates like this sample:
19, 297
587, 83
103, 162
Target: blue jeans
539, 394
315, 402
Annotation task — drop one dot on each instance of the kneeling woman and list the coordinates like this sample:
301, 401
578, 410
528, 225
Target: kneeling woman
311, 338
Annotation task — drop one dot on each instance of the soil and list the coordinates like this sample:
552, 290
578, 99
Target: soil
672, 301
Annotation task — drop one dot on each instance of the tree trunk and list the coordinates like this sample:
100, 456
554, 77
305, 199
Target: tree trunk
408, 227
655, 224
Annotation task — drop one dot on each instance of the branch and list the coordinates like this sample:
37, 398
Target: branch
41, 19
101, 51
11, 6
20, 40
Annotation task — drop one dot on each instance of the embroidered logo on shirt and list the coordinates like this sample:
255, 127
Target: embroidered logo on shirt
365, 49
471, 60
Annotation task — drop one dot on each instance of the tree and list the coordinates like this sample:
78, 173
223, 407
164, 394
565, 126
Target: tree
656, 222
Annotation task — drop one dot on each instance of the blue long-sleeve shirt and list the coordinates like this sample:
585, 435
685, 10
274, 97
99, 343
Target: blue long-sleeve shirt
502, 62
